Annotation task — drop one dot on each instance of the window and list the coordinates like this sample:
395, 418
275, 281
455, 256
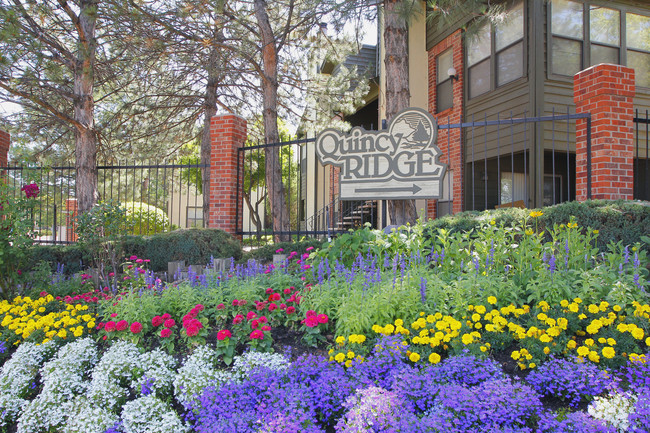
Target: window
513, 191
194, 216
446, 201
496, 51
603, 35
444, 84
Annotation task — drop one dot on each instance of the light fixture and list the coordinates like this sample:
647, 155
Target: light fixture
452, 74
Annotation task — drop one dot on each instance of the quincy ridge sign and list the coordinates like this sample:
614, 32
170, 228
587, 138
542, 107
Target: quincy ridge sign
399, 163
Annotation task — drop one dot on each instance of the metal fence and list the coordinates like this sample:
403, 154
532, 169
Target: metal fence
641, 156
503, 167
173, 189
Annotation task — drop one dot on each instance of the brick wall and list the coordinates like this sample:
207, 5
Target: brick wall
227, 133
449, 141
5, 139
70, 225
607, 92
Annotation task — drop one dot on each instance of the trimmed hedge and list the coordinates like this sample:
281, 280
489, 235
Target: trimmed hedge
619, 220
195, 246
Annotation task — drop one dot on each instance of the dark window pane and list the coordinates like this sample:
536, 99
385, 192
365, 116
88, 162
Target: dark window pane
605, 25
511, 29
479, 78
566, 56
603, 54
444, 96
510, 64
641, 64
566, 18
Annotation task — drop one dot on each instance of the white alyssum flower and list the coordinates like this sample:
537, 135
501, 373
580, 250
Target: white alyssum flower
249, 361
159, 369
118, 367
17, 377
149, 414
613, 409
198, 372
86, 417
63, 378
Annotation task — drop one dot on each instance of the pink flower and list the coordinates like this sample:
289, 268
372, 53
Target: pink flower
251, 315
309, 248
223, 334
169, 323
257, 334
114, 315
192, 330
283, 306
147, 260
269, 290
291, 310
111, 274
43, 294
142, 271
166, 316
136, 327
110, 326
311, 321
164, 333
310, 313
275, 297
139, 261
133, 258
322, 318
221, 306
235, 302
260, 306
121, 325
255, 324
199, 307
287, 291
157, 321
31, 190
266, 328
238, 319
279, 250
263, 319
273, 307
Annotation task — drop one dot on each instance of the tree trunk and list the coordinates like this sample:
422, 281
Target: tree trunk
269, 79
209, 110
85, 137
397, 91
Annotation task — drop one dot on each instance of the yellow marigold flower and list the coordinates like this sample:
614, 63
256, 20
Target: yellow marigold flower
467, 339
573, 307
478, 326
430, 318
515, 355
542, 317
596, 232
594, 357
361, 338
532, 365
414, 357
492, 300
388, 329
340, 357
480, 309
490, 327
621, 327
638, 333
564, 303
562, 322
577, 300
340, 340
589, 342
544, 306
583, 351
434, 358
484, 349
476, 317
350, 354
348, 363
572, 225
62, 334
547, 350
77, 333
545, 338
582, 316
492, 222
602, 340
331, 359
609, 352
647, 341
593, 309
554, 331
617, 308
522, 366
580, 333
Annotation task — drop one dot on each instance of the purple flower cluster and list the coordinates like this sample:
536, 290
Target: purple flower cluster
640, 418
638, 373
575, 422
466, 370
386, 362
569, 380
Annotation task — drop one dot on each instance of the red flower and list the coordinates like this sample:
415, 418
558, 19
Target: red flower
257, 334
110, 326
192, 330
157, 321
223, 334
251, 315
164, 333
136, 327
221, 306
122, 325
170, 323
291, 310
238, 319
266, 328
255, 324
276, 297
322, 318
273, 307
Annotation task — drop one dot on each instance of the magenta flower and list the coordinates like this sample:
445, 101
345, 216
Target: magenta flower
136, 327
223, 334
31, 190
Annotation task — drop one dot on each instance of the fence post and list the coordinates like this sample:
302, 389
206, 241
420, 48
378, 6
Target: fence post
606, 92
227, 134
71, 220
5, 140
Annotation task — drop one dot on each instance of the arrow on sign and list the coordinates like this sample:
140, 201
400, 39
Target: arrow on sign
414, 189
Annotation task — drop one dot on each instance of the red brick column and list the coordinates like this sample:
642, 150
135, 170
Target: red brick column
607, 92
227, 133
71, 207
5, 139
449, 140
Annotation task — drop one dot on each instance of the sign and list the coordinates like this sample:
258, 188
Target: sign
398, 163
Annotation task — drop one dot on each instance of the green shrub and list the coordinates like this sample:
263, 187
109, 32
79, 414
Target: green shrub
74, 257
195, 246
145, 219
616, 221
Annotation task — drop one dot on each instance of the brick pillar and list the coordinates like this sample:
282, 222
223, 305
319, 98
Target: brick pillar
70, 220
607, 92
227, 134
5, 139
449, 140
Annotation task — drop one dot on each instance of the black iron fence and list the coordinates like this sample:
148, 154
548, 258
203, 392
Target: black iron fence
157, 197
641, 156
